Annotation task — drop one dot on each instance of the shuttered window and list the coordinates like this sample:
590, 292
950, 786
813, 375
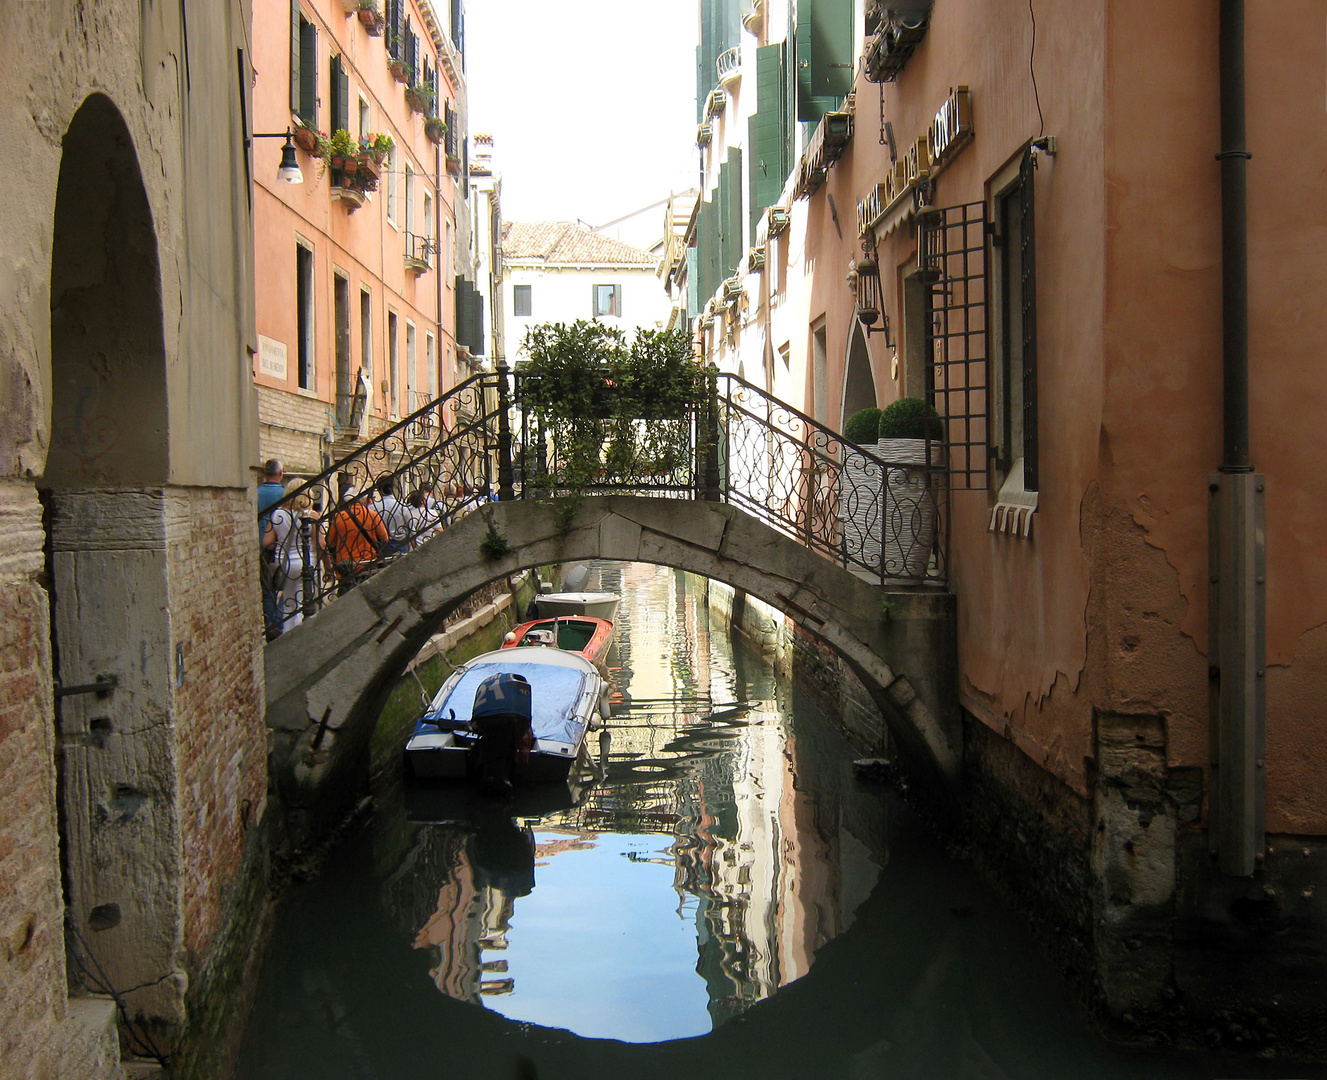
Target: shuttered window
303, 66
340, 96
824, 56
730, 214
769, 132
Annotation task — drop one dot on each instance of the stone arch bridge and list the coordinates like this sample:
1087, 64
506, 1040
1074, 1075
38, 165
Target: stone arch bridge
328, 677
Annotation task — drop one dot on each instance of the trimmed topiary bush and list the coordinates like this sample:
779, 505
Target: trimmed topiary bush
862, 427
910, 418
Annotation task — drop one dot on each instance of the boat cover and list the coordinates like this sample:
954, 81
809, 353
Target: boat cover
554, 692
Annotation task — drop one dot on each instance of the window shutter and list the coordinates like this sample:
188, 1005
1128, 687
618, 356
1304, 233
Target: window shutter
308, 79
294, 57
824, 56
768, 132
340, 85
1027, 205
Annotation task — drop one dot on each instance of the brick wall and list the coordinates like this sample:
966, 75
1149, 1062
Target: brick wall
37, 1037
291, 427
216, 629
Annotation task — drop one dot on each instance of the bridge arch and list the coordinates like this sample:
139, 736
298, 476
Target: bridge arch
328, 677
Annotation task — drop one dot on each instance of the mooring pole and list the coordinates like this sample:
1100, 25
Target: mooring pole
506, 489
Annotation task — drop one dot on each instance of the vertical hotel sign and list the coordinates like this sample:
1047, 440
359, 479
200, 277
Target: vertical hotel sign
950, 131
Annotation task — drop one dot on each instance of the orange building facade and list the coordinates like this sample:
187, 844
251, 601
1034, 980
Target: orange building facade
1041, 193
355, 295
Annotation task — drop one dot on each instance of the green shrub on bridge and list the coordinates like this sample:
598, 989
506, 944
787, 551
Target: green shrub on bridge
612, 413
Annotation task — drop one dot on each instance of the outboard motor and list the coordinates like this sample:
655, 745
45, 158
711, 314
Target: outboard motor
501, 719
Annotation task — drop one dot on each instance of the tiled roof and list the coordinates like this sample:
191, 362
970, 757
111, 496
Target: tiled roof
564, 243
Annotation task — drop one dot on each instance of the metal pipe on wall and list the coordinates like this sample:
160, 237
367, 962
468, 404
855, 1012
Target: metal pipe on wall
1237, 617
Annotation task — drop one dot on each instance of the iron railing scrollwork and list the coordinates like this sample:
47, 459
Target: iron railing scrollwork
883, 519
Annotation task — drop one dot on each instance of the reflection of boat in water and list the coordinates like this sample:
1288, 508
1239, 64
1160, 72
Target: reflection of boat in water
598, 605
509, 716
590, 637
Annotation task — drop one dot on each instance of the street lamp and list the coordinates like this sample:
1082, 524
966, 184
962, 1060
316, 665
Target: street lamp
288, 172
866, 283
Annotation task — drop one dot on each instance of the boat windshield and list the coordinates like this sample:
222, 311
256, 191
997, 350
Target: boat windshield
554, 692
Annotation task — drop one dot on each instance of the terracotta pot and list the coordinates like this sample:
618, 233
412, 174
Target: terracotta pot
306, 140
368, 16
398, 70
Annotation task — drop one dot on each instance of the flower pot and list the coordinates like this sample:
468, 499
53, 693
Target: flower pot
434, 131
350, 166
306, 140
912, 506
368, 166
415, 100
398, 70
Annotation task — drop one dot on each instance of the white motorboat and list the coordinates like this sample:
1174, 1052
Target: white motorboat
597, 605
510, 716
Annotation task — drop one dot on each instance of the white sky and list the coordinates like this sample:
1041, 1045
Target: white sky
591, 103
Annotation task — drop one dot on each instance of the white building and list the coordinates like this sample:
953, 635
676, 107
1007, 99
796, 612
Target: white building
557, 271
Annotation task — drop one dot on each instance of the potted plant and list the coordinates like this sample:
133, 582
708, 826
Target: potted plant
911, 433
419, 97
861, 489
435, 128
398, 67
336, 151
307, 139
371, 17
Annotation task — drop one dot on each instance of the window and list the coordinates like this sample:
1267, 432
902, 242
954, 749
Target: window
304, 315
345, 389
1015, 396
409, 208
389, 180
819, 375
411, 363
431, 359
303, 66
608, 300
365, 121
339, 95
393, 374
366, 331
520, 300
428, 228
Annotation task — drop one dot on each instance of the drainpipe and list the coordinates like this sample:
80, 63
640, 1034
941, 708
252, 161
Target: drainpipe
1237, 567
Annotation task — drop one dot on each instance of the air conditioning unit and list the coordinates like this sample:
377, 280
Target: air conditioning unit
755, 260
778, 218
732, 290
703, 135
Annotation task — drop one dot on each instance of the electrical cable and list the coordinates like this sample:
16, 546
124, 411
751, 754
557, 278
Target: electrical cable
139, 1039
1041, 122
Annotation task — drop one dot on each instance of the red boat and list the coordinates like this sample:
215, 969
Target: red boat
581, 634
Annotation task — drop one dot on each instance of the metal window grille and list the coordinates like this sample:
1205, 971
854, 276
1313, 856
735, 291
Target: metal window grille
952, 256
1028, 269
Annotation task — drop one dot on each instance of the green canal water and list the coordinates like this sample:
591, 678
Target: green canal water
723, 899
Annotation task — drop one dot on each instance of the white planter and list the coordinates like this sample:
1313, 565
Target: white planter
861, 509
911, 507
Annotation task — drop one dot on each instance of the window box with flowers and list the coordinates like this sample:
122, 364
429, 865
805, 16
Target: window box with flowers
435, 128
371, 17
419, 97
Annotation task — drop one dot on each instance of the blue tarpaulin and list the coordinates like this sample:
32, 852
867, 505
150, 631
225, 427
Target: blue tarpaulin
554, 692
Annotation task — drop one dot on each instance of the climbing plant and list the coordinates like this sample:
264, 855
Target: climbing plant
610, 410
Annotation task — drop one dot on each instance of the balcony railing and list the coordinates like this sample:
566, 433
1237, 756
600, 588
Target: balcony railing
729, 66
419, 252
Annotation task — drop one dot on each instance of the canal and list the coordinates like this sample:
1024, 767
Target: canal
725, 899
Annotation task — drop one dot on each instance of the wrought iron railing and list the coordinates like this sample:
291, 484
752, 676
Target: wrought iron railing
883, 519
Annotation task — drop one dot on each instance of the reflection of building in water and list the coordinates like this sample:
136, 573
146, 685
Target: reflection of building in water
755, 859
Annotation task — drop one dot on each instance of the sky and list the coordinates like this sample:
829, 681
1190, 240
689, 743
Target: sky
591, 103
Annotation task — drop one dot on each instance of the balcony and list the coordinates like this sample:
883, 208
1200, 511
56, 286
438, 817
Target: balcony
419, 252
729, 66
715, 103
832, 135
897, 36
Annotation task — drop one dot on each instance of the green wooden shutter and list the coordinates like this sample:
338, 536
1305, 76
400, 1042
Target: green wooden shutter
340, 87
768, 132
824, 56
308, 73
733, 225
294, 56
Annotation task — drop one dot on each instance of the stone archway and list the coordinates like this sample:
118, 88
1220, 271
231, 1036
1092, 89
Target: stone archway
327, 678
103, 488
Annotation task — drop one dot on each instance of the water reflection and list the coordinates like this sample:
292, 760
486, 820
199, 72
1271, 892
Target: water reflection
686, 881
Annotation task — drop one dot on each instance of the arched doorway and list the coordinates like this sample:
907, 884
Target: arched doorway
104, 493
858, 380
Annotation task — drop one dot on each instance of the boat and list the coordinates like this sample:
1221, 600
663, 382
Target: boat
589, 637
510, 717
597, 605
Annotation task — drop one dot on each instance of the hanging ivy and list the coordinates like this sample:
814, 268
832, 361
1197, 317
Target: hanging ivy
611, 412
